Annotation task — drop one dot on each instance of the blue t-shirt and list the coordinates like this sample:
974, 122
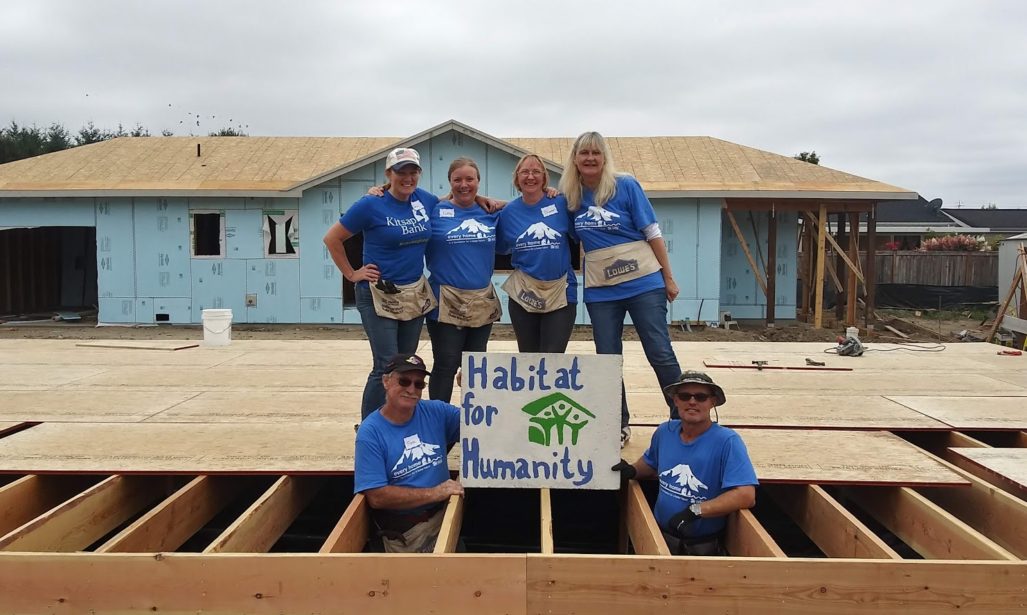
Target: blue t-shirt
537, 238
620, 220
462, 250
409, 455
395, 233
701, 470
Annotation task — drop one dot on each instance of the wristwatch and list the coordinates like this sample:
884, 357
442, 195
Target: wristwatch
696, 509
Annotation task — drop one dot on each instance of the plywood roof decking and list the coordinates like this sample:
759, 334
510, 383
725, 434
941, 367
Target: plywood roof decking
860, 412
263, 164
244, 448
1009, 463
998, 413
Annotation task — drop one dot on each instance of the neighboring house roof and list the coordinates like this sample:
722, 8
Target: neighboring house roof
919, 212
285, 166
993, 220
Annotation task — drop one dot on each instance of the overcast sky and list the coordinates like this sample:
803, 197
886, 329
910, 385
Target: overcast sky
929, 95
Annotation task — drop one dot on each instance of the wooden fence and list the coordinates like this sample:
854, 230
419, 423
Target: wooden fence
978, 269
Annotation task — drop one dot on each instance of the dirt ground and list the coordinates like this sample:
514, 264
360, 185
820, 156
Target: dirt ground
924, 328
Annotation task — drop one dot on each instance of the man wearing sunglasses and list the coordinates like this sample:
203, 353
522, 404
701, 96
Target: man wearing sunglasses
400, 463
703, 468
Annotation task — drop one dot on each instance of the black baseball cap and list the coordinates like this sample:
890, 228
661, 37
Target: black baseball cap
406, 362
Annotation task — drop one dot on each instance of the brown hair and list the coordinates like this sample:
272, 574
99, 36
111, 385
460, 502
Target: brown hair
463, 161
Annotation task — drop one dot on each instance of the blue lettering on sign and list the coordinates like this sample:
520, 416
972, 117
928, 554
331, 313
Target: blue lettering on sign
474, 415
512, 378
579, 473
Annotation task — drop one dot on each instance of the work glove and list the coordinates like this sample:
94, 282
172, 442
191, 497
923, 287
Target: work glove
679, 523
387, 287
627, 471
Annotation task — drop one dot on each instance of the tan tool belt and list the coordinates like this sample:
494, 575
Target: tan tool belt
534, 295
620, 263
469, 308
411, 301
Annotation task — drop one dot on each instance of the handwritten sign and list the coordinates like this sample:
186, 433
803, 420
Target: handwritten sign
540, 420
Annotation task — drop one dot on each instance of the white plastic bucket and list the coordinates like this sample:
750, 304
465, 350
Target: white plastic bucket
217, 327
852, 332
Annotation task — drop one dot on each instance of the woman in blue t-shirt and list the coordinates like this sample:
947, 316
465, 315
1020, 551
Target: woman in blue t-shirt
460, 258
391, 292
543, 289
626, 268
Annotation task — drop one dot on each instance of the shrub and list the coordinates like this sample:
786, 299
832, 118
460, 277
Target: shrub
953, 243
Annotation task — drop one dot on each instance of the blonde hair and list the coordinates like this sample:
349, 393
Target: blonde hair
520, 163
570, 183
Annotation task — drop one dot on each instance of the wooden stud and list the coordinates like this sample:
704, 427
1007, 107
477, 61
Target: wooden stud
30, 496
852, 288
169, 525
87, 517
546, 504
818, 283
805, 262
924, 526
350, 534
834, 529
870, 286
264, 522
772, 268
842, 240
452, 521
839, 251
646, 537
746, 537
748, 254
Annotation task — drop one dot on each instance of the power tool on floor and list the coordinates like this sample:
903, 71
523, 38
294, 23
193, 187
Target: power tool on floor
849, 346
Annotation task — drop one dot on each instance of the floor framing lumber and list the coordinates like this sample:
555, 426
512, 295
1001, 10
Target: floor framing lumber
926, 527
452, 521
87, 517
351, 533
546, 529
264, 522
643, 531
746, 537
835, 530
818, 283
30, 496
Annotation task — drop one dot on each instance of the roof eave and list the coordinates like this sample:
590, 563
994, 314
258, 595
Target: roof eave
42, 194
782, 194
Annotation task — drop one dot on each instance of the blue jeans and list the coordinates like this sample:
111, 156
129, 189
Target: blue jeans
448, 343
387, 337
649, 314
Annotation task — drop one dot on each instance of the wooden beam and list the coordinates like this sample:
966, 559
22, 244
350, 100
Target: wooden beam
30, 496
839, 251
546, 504
745, 248
746, 537
830, 525
174, 521
264, 522
818, 302
870, 286
593, 584
841, 239
452, 521
646, 537
852, 287
924, 526
772, 268
87, 517
805, 264
350, 534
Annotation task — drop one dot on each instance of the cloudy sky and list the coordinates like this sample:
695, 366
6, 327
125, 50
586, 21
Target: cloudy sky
930, 95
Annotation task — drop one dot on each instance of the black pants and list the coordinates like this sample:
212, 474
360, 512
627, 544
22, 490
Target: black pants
448, 343
547, 332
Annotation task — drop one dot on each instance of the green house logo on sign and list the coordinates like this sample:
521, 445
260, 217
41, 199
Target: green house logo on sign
556, 413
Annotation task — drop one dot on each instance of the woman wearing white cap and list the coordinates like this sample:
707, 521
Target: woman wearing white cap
391, 292
627, 270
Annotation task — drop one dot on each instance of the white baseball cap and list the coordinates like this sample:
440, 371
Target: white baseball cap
402, 156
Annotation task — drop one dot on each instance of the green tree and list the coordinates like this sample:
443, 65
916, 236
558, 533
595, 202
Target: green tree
810, 157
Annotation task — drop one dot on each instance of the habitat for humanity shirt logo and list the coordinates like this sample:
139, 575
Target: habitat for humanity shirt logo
556, 414
596, 217
538, 235
417, 456
682, 483
470, 230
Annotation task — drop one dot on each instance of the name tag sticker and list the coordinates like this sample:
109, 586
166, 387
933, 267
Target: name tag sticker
447, 213
549, 210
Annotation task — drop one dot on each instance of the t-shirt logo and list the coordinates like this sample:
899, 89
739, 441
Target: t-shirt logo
596, 217
420, 214
538, 234
416, 456
471, 230
682, 482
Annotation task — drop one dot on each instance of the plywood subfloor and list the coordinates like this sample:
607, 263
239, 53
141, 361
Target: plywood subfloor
259, 407
1009, 463
829, 457
799, 411
988, 413
75, 406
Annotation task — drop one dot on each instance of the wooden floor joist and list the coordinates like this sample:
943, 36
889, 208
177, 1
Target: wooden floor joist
926, 527
835, 530
643, 531
546, 529
30, 496
746, 537
452, 521
264, 522
351, 533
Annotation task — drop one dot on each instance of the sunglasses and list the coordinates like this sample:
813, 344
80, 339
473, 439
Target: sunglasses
405, 382
699, 397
